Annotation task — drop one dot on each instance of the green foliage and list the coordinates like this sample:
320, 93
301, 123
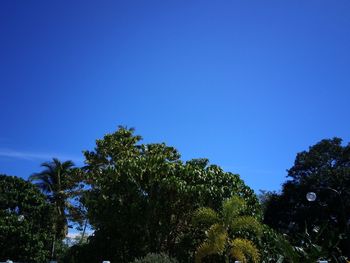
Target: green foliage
142, 197
232, 208
325, 170
205, 216
61, 182
244, 250
25, 221
228, 236
246, 223
80, 253
275, 247
155, 258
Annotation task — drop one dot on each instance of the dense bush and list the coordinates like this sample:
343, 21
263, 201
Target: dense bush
26, 232
155, 258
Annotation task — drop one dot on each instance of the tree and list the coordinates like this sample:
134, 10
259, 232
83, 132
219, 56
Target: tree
225, 235
61, 183
142, 197
25, 221
325, 170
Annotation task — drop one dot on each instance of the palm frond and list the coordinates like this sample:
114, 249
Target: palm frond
42, 181
244, 250
38, 177
232, 208
205, 215
247, 223
67, 165
231, 217
49, 167
217, 236
44, 187
204, 249
214, 244
239, 255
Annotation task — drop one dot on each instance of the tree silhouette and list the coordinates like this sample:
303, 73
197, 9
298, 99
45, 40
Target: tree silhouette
59, 182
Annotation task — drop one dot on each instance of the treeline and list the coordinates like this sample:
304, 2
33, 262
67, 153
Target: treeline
144, 204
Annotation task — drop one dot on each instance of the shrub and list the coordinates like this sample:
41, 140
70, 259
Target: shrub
155, 258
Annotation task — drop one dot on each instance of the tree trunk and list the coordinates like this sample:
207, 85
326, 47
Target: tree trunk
83, 234
53, 247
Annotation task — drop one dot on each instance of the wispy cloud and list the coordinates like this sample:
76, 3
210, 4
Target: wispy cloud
33, 156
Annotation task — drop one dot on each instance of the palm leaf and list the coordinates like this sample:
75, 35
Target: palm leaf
214, 244
243, 249
247, 223
42, 181
206, 216
217, 241
203, 250
232, 208
217, 236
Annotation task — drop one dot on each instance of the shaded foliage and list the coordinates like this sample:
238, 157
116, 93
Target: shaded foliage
25, 221
275, 247
325, 170
155, 258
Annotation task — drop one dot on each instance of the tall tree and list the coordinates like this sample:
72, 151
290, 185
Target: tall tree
325, 170
60, 182
142, 197
225, 232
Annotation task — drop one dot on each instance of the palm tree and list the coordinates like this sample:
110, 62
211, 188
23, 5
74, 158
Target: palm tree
59, 184
222, 237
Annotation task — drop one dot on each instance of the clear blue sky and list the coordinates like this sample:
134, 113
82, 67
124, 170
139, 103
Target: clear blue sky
247, 84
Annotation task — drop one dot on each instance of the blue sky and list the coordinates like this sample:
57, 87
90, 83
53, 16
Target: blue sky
247, 84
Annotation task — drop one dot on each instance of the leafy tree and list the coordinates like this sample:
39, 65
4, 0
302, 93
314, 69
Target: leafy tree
275, 247
325, 170
225, 234
25, 221
142, 197
61, 183
80, 252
